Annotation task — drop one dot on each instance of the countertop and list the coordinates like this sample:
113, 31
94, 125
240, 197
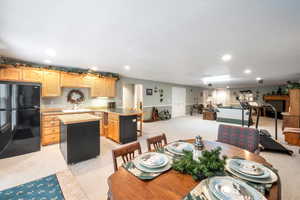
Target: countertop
77, 118
119, 111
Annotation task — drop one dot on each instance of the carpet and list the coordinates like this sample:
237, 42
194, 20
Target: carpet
42, 189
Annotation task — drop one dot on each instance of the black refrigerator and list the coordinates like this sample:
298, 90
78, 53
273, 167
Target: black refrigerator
19, 118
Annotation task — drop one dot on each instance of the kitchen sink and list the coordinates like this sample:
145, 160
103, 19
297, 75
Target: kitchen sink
76, 110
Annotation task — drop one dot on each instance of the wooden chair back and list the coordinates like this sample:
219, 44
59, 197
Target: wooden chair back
156, 142
127, 153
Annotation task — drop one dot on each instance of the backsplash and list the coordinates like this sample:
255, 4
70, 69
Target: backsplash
61, 101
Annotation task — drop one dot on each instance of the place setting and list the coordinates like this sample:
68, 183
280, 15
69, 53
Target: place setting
224, 188
255, 174
246, 180
149, 165
178, 148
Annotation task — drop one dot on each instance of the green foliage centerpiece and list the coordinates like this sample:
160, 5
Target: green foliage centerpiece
207, 165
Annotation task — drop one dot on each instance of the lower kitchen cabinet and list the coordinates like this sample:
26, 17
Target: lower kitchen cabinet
50, 130
122, 129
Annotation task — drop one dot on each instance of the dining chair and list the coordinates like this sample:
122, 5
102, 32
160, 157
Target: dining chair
157, 142
242, 137
126, 152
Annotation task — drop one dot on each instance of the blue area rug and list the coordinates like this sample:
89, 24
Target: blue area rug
46, 188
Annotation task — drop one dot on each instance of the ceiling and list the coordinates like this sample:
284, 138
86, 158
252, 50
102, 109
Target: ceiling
168, 40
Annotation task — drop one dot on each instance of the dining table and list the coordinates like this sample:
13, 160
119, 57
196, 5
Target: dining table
173, 185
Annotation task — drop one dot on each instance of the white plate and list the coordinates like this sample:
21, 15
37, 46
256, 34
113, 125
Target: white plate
151, 170
172, 147
144, 160
232, 165
273, 177
246, 167
228, 188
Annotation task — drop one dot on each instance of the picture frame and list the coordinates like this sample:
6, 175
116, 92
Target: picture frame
149, 92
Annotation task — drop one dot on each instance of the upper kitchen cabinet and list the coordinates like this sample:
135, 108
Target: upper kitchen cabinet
110, 87
32, 74
98, 88
51, 83
88, 80
70, 80
10, 73
104, 87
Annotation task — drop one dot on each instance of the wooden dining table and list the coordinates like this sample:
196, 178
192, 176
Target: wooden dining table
173, 185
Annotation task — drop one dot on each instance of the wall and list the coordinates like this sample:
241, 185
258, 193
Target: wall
228, 96
61, 102
192, 94
128, 96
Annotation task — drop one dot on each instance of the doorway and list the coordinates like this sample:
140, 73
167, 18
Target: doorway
178, 101
132, 96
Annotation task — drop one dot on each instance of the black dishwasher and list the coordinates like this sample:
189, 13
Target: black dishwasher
128, 126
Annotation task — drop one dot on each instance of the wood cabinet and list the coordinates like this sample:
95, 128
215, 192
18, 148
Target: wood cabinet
110, 87
290, 121
98, 88
113, 127
53, 80
50, 129
32, 74
87, 80
51, 83
69, 80
292, 136
10, 73
294, 101
101, 123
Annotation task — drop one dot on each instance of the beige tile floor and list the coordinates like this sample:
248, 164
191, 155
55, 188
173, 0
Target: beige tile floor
92, 174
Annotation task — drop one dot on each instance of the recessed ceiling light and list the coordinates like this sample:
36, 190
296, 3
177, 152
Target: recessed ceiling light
226, 57
258, 78
47, 61
50, 52
127, 67
214, 79
247, 71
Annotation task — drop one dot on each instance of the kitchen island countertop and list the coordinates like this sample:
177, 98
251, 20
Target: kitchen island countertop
119, 111
77, 118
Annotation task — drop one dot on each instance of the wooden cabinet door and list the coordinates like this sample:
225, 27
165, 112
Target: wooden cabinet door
71, 80
32, 74
98, 88
51, 84
113, 130
110, 129
10, 73
116, 134
110, 87
88, 80
294, 101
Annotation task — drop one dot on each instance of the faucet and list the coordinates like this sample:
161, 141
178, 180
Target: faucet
75, 106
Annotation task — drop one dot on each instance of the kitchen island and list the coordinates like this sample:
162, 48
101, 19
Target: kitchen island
120, 125
117, 124
79, 137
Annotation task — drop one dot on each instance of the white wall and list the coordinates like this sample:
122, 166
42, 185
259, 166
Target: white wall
61, 101
228, 96
128, 96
